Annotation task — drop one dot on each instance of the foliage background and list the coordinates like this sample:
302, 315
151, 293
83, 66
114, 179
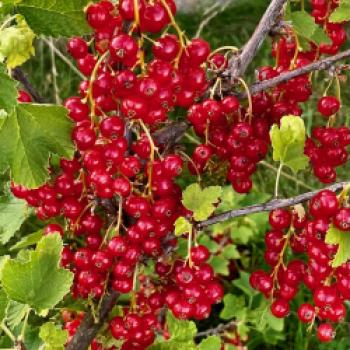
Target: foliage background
52, 73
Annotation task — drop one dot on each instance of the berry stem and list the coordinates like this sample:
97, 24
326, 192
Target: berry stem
250, 101
278, 178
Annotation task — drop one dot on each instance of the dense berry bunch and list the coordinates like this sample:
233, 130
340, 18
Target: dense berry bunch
327, 150
306, 237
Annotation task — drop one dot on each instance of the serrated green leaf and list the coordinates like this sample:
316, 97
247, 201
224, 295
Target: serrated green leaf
16, 43
28, 240
201, 202
8, 91
205, 240
15, 313
182, 226
242, 234
243, 284
28, 136
320, 37
13, 212
234, 307
55, 17
220, 265
3, 304
180, 329
230, 252
273, 322
341, 13
342, 239
288, 142
305, 26
54, 337
38, 282
210, 343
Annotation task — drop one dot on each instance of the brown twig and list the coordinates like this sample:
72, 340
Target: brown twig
20, 76
217, 330
268, 206
284, 77
88, 328
240, 62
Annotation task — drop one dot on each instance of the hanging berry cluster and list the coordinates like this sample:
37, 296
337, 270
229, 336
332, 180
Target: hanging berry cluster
307, 236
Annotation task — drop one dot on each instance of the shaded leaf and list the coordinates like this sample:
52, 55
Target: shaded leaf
8, 91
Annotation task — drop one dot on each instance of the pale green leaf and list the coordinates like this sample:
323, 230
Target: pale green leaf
288, 142
230, 252
13, 212
220, 265
28, 240
38, 282
55, 17
180, 329
201, 202
53, 336
3, 304
305, 26
210, 343
8, 91
342, 239
234, 307
341, 13
182, 226
16, 43
27, 138
205, 240
15, 313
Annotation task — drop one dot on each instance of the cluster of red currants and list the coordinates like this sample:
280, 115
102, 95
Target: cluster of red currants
327, 150
306, 235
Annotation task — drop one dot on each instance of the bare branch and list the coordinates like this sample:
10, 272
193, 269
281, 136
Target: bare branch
217, 330
315, 66
20, 76
88, 328
268, 206
240, 63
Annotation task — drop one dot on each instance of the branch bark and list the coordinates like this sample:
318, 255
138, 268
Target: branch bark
217, 330
268, 206
20, 76
284, 77
240, 63
88, 328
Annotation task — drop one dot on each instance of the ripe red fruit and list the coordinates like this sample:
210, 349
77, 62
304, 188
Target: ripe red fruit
280, 219
306, 313
325, 332
280, 308
328, 106
342, 219
324, 204
24, 97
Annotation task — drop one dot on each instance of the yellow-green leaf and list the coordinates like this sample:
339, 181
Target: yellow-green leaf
201, 202
182, 226
288, 142
53, 336
341, 13
342, 239
16, 43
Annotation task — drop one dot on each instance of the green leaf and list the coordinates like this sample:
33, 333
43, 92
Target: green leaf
55, 17
342, 239
38, 282
180, 329
15, 313
27, 138
341, 13
205, 240
201, 202
305, 26
8, 91
182, 226
54, 337
288, 143
230, 252
13, 212
243, 284
220, 265
234, 307
242, 234
210, 343
3, 304
28, 240
16, 43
